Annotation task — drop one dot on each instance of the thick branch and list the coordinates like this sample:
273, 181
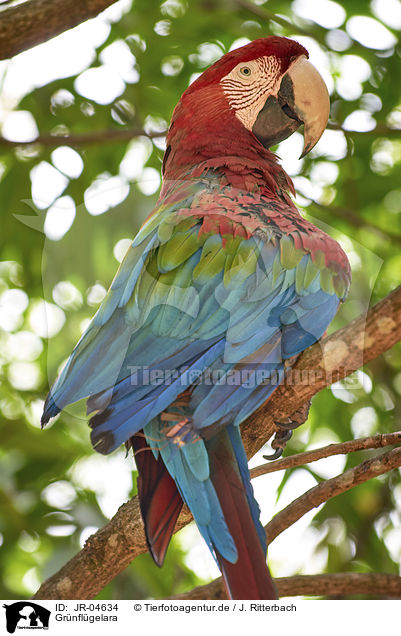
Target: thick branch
111, 549
343, 584
37, 21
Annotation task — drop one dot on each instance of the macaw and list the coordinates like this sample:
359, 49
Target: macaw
223, 287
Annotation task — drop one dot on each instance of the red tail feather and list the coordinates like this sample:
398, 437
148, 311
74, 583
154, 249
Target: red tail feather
159, 498
248, 578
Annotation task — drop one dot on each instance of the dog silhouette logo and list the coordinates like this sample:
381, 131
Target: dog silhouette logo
26, 615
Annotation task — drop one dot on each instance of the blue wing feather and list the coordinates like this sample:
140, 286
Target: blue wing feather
221, 333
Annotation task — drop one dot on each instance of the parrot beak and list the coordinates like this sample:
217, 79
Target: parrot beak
302, 98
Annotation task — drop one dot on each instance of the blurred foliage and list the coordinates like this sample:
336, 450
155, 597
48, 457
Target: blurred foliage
52, 494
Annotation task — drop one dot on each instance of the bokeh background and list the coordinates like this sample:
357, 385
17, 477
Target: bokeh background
80, 170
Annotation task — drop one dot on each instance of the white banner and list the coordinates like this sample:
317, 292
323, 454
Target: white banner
194, 617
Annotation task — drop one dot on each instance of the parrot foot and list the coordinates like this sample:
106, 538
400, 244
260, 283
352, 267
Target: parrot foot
285, 429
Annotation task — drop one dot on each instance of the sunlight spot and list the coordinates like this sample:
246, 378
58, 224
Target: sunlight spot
95, 294
162, 27
307, 188
66, 295
332, 145
27, 542
354, 70
137, 154
341, 393
104, 193
326, 13
13, 303
392, 201
59, 494
324, 172
388, 11
360, 121
173, 8
86, 533
68, 161
65, 530
63, 56
197, 556
172, 65
207, 54
59, 218
117, 10
24, 345
338, 40
20, 125
24, 376
118, 56
34, 411
101, 84
121, 248
392, 540
364, 422
238, 43
109, 477
289, 152
47, 184
154, 124
31, 580
84, 324
46, 319
61, 99
383, 399
370, 33
149, 182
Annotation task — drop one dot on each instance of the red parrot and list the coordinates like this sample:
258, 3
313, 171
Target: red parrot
223, 286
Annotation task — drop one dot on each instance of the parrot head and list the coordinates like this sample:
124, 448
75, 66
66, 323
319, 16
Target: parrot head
258, 94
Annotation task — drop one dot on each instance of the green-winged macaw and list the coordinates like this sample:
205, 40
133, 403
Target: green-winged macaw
223, 286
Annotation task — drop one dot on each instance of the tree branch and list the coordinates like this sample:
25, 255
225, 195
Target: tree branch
327, 361
269, 16
84, 139
342, 584
330, 488
112, 548
116, 135
37, 21
294, 511
356, 220
364, 443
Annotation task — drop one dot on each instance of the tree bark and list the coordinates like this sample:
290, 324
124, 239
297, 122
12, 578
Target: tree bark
37, 21
341, 584
113, 547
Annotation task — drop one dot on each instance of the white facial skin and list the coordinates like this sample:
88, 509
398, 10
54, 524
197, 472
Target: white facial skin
248, 86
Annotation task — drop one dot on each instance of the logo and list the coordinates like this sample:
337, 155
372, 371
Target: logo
26, 615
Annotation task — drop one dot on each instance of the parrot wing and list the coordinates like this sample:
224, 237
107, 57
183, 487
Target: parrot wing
186, 302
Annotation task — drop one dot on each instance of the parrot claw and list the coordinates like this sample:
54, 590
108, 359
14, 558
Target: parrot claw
283, 434
276, 455
285, 429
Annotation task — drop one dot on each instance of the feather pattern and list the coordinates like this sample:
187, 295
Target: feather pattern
223, 285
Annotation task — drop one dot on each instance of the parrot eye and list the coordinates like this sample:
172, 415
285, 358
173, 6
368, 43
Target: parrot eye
245, 71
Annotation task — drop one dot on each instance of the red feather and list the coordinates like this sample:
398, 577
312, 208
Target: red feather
159, 499
248, 578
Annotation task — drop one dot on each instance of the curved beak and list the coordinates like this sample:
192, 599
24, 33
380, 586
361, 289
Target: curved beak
301, 99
